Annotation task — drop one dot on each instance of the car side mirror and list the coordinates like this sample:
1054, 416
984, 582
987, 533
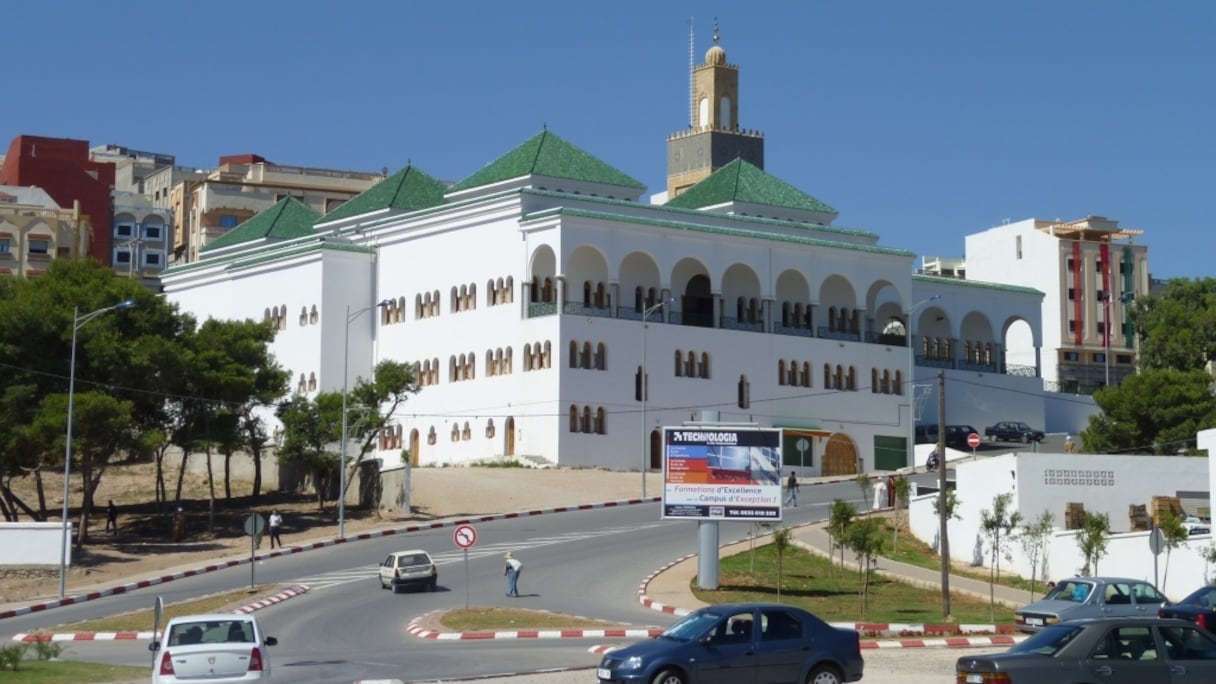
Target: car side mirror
154, 646
270, 641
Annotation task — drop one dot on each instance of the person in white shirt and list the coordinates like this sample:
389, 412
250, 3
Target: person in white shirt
276, 525
512, 572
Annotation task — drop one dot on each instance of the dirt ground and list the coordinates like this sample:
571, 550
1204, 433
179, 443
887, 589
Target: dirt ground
143, 546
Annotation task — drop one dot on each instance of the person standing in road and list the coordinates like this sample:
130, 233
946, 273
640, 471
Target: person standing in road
112, 518
791, 486
276, 525
512, 572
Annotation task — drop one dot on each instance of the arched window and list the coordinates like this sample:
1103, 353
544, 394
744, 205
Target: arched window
417, 306
472, 369
827, 376
431, 437
548, 355
435, 303
874, 381
302, 386
574, 353
745, 392
740, 309
510, 289
455, 432
498, 367
806, 374
601, 356
452, 371
586, 357
832, 318
312, 382
492, 293
704, 365
528, 357
586, 421
792, 377
601, 297
638, 383
899, 382
549, 290
507, 360
303, 316
638, 299
489, 428
780, 371
454, 300
587, 297
465, 433
886, 381
679, 364
490, 369
601, 426
838, 380
472, 302
851, 381
690, 364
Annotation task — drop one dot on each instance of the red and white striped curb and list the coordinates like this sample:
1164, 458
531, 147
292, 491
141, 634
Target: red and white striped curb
147, 636
414, 628
153, 581
655, 605
872, 644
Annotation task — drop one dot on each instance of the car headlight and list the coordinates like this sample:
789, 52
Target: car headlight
631, 663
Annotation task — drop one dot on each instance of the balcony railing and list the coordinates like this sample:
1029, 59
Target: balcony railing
580, 309
538, 309
799, 331
730, 323
829, 334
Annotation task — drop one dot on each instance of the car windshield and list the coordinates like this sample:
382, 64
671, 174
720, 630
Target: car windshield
1048, 641
1069, 590
692, 627
211, 632
414, 559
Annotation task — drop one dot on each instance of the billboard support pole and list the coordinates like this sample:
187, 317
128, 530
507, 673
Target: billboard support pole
707, 554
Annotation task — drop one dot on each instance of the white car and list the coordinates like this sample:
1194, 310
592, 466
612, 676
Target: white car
215, 648
409, 568
1195, 525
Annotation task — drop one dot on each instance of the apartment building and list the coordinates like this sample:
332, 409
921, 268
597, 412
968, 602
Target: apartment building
34, 229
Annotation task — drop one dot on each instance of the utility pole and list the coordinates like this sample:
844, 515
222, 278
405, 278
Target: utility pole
943, 543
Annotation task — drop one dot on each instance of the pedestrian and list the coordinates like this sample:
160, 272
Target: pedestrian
880, 493
1070, 447
276, 525
179, 525
791, 487
112, 518
514, 567
890, 491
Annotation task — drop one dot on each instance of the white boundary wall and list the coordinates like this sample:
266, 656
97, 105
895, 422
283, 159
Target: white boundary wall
33, 543
1103, 483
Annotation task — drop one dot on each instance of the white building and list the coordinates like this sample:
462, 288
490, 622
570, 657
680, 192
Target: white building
520, 293
1090, 271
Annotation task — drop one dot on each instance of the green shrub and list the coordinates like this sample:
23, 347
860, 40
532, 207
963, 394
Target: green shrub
10, 656
47, 649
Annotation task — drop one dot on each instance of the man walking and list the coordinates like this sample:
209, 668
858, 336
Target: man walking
512, 573
791, 486
276, 525
112, 518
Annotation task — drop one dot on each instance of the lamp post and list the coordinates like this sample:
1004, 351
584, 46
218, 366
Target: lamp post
645, 390
77, 322
350, 318
912, 376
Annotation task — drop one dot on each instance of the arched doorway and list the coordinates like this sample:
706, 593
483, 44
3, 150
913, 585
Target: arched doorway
697, 304
415, 447
508, 437
840, 456
655, 458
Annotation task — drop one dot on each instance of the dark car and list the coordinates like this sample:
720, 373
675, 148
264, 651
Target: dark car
956, 435
1198, 607
758, 643
1089, 597
1013, 431
1139, 650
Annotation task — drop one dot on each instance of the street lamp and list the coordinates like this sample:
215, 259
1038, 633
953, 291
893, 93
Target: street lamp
350, 318
912, 376
77, 322
645, 390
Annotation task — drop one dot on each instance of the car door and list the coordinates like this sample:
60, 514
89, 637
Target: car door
1148, 599
729, 655
387, 568
1189, 653
1127, 655
1117, 599
784, 647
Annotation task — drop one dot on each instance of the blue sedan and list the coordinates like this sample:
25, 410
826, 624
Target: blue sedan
742, 642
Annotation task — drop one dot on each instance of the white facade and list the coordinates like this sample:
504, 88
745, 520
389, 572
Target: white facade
1090, 272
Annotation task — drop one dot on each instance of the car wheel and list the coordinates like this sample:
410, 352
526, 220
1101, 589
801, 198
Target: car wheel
1025, 439
433, 583
668, 676
824, 674
382, 584
396, 588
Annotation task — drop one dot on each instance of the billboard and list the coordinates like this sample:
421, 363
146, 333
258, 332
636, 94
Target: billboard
721, 473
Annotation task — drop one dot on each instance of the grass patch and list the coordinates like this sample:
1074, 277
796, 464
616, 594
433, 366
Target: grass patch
141, 620
72, 672
811, 582
477, 619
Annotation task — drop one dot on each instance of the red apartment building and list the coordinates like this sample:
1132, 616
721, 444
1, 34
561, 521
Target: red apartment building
62, 168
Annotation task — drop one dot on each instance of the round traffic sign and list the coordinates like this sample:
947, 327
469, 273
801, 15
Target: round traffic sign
254, 525
464, 536
973, 440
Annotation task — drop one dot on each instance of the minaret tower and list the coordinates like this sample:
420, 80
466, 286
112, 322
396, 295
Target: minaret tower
713, 138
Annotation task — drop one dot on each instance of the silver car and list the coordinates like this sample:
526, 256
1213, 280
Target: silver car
1090, 597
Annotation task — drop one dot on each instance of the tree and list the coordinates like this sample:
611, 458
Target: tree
391, 385
1157, 411
312, 429
1034, 543
1092, 539
866, 538
783, 538
1177, 328
840, 517
1173, 535
903, 493
1209, 558
863, 483
998, 525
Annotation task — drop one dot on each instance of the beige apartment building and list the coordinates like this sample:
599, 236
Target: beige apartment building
205, 208
34, 230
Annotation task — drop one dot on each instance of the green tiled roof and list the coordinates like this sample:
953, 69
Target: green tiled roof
288, 218
409, 189
545, 154
740, 181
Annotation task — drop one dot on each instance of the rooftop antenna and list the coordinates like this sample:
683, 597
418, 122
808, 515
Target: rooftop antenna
692, 83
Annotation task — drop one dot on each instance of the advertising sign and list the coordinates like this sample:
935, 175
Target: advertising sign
721, 473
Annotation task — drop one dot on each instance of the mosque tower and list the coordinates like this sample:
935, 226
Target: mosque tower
713, 138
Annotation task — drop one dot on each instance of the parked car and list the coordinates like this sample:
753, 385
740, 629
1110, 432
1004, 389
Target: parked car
759, 643
1013, 431
956, 435
1195, 525
1199, 607
405, 569
1143, 650
216, 648
1088, 597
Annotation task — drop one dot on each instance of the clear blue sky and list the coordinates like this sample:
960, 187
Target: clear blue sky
920, 121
